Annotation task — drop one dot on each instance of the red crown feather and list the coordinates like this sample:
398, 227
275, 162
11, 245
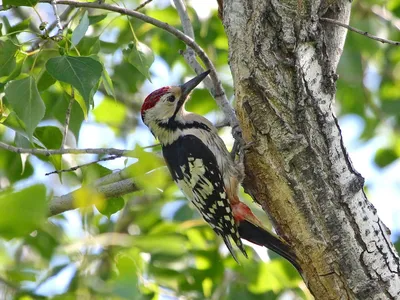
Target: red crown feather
152, 99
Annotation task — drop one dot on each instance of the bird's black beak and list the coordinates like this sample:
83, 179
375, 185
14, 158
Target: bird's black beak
187, 87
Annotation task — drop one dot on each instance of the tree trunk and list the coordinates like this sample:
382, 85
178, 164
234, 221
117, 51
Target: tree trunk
283, 62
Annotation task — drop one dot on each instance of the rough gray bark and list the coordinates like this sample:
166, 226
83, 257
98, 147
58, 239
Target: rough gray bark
283, 62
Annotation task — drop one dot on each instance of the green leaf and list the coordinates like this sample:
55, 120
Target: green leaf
125, 286
21, 141
19, 273
89, 45
51, 137
171, 244
94, 172
126, 78
69, 90
44, 242
108, 84
272, 276
57, 105
111, 206
96, 19
154, 180
83, 73
23, 25
111, 112
20, 2
201, 102
12, 167
23, 211
166, 276
7, 57
80, 30
24, 98
18, 126
108, 47
391, 107
45, 81
149, 171
14, 123
385, 156
147, 161
20, 57
140, 56
389, 91
168, 15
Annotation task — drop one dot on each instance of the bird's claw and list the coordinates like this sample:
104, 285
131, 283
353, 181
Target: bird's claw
242, 149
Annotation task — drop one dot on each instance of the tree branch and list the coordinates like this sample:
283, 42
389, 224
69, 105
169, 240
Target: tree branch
217, 90
67, 118
64, 16
48, 152
108, 185
66, 202
58, 20
373, 37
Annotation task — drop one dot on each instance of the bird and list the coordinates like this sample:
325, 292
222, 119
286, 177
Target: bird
203, 169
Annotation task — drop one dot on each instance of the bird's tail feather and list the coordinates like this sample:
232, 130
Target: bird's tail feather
260, 236
238, 243
230, 248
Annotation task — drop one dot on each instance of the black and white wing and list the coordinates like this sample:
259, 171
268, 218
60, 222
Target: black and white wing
195, 170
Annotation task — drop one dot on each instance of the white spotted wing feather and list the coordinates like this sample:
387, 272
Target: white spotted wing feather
195, 170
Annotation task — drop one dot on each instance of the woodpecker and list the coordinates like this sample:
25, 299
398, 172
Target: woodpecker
203, 169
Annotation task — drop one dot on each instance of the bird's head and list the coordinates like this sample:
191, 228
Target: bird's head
166, 103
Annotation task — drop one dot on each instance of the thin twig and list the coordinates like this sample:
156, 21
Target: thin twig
143, 5
48, 152
64, 15
373, 37
58, 20
67, 118
217, 91
112, 157
152, 146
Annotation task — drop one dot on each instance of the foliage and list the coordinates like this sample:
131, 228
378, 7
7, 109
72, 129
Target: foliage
149, 243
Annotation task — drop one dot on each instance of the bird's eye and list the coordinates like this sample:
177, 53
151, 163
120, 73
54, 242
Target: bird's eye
171, 98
